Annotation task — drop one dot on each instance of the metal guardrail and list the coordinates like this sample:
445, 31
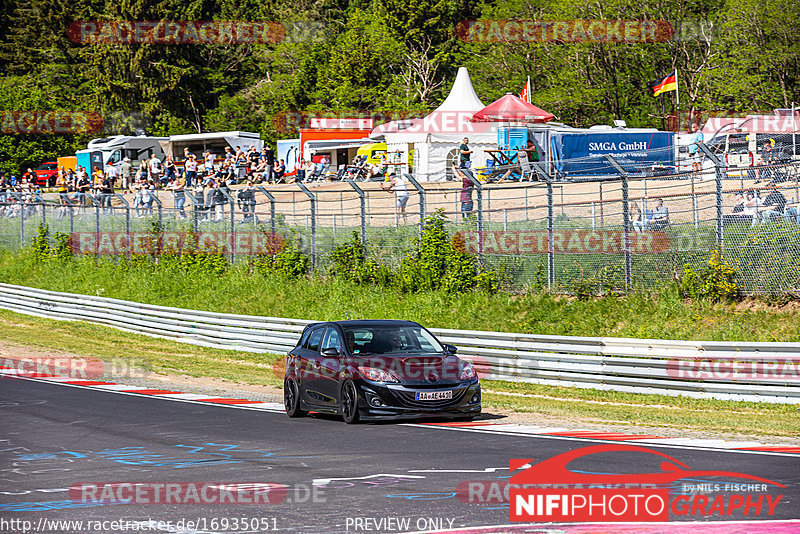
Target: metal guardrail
756, 372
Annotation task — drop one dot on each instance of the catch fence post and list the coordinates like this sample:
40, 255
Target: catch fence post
195, 209
127, 220
271, 206
479, 188
422, 199
551, 260
313, 200
718, 166
157, 200
232, 233
625, 218
363, 209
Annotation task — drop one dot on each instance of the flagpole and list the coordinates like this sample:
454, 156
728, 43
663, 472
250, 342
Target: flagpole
678, 99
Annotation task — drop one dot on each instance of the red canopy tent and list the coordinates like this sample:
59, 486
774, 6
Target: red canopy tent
510, 108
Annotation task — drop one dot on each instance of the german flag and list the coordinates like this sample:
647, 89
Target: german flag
668, 83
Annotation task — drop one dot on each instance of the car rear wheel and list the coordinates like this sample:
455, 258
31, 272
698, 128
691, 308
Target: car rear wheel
291, 398
349, 406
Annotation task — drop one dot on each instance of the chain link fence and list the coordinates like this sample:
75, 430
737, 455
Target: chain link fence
540, 232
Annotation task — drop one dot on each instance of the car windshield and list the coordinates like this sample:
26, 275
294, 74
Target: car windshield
390, 340
738, 144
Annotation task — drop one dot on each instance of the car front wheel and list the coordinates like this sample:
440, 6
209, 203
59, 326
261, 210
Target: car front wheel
349, 406
291, 398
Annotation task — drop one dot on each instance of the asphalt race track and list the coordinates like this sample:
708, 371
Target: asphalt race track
334, 477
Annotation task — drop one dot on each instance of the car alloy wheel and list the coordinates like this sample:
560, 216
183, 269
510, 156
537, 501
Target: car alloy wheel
349, 403
291, 399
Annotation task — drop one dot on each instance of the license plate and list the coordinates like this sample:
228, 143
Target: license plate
434, 395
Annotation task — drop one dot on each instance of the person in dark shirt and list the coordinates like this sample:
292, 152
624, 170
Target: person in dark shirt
280, 170
465, 154
776, 204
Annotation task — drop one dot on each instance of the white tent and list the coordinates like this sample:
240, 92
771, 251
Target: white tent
435, 138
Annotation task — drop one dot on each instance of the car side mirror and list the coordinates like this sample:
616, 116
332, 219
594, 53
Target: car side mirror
452, 349
330, 352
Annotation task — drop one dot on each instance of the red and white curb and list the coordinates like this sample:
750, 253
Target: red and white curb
755, 447
143, 390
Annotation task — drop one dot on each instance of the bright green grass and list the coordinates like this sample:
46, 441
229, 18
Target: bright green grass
655, 314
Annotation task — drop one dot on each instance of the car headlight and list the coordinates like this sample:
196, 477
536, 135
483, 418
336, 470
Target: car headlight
378, 375
467, 371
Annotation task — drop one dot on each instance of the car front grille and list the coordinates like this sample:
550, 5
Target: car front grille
408, 398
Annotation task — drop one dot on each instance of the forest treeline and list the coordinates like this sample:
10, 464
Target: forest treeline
732, 56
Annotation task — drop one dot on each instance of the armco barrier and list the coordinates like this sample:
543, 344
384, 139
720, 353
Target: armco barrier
759, 372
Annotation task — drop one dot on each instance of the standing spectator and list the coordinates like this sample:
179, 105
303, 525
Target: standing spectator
252, 159
765, 160
466, 192
280, 170
125, 172
187, 153
660, 218
97, 183
107, 189
83, 186
155, 169
464, 154
209, 161
112, 173
397, 184
138, 188
190, 166
270, 164
143, 173
178, 196
169, 169
148, 196
695, 155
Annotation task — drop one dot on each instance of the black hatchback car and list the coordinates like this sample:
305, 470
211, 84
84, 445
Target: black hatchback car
378, 369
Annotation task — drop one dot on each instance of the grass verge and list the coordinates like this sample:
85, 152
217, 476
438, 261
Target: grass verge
578, 405
654, 314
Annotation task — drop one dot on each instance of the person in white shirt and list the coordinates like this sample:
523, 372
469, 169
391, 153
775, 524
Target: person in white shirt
155, 169
210, 161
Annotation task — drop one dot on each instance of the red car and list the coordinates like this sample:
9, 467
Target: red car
46, 174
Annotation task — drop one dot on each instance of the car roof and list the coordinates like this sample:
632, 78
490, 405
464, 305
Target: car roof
368, 323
